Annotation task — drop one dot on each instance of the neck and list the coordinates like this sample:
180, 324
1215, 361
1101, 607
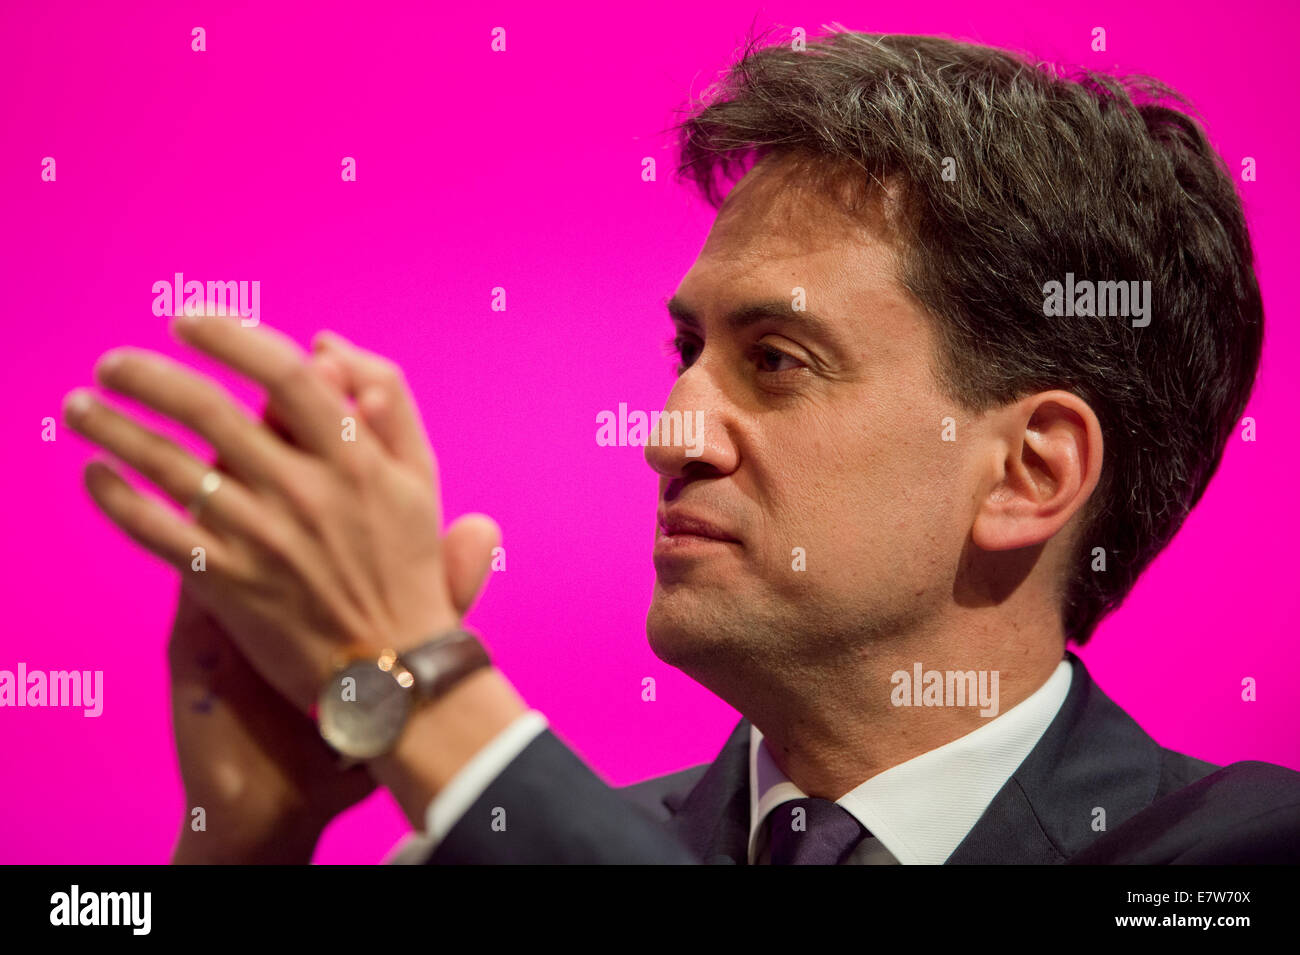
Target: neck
832, 725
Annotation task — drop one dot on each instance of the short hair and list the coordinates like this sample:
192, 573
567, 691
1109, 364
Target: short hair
1088, 174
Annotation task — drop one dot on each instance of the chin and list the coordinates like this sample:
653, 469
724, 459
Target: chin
676, 626
668, 635
684, 626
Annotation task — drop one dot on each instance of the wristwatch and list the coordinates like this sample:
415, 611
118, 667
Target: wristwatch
363, 710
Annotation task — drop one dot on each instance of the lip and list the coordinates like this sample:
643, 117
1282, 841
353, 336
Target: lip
677, 523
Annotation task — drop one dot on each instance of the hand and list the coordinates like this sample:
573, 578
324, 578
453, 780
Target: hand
314, 549
266, 781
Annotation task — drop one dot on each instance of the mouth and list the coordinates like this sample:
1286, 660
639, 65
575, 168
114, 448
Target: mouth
683, 527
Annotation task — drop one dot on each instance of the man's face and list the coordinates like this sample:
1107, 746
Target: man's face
821, 438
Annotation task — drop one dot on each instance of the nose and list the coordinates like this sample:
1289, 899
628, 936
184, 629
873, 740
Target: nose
694, 430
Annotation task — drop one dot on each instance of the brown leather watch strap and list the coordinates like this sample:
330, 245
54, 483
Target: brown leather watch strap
443, 662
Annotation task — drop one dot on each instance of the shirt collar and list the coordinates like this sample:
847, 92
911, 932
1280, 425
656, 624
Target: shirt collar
921, 809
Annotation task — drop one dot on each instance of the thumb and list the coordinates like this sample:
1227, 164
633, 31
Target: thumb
467, 555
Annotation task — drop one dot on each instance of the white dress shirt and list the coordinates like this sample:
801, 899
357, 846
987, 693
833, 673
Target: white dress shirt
917, 812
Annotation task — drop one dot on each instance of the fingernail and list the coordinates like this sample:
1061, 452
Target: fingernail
107, 363
94, 475
76, 403
183, 322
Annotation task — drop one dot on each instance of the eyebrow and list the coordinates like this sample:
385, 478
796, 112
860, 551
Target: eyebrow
747, 315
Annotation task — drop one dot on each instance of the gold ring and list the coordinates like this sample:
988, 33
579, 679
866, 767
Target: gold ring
207, 487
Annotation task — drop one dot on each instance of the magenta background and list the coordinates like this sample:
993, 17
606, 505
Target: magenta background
519, 169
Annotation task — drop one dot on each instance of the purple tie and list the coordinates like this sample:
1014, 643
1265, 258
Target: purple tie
824, 833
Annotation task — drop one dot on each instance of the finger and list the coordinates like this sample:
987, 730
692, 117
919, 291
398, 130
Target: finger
467, 555
307, 406
175, 471
383, 397
247, 449
148, 521
329, 368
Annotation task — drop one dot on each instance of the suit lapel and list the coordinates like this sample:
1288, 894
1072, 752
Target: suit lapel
712, 819
1092, 757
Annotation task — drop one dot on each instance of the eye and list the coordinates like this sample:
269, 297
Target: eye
773, 360
686, 349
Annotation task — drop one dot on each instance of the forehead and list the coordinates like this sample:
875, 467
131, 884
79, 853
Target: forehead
782, 228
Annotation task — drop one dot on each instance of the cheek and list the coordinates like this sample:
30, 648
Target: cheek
840, 516
873, 500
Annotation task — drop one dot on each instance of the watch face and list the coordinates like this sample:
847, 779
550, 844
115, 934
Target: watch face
362, 711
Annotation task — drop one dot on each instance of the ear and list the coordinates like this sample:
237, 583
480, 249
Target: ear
1052, 465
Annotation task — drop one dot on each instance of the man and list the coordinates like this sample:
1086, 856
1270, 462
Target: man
919, 478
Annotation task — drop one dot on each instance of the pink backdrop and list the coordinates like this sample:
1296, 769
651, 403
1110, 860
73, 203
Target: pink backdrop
522, 170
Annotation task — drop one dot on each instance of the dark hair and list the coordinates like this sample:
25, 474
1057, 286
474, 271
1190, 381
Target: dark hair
1092, 175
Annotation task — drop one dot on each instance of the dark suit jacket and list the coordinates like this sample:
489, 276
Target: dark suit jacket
1160, 806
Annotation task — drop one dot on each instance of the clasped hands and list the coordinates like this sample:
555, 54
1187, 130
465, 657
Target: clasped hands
322, 540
